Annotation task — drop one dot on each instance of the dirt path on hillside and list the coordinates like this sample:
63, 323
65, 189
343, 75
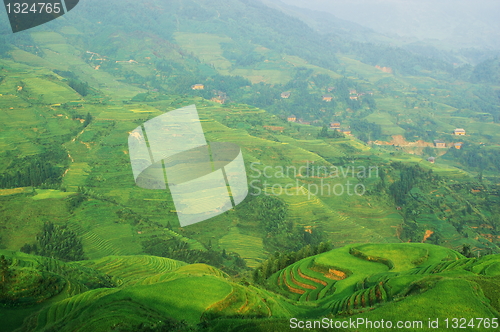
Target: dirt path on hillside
399, 140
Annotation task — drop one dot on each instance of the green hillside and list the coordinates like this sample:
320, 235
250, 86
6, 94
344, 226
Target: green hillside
357, 281
364, 203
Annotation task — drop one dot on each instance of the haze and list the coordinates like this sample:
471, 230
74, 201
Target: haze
458, 23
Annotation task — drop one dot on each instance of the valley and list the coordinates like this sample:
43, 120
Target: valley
84, 248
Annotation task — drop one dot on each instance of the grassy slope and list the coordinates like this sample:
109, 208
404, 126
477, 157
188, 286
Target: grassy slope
95, 221
152, 287
345, 219
443, 293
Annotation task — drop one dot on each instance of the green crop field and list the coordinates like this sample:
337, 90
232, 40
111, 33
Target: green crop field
207, 48
336, 282
249, 247
310, 106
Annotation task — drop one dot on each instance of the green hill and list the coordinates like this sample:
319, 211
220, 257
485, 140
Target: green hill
396, 205
356, 281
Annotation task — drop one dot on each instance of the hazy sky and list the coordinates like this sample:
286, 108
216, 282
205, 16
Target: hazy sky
466, 21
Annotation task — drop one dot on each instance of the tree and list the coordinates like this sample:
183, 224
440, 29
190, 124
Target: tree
323, 132
57, 242
88, 119
466, 251
4, 269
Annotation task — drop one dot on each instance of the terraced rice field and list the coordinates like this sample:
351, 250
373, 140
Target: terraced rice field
63, 309
306, 284
249, 247
126, 269
355, 277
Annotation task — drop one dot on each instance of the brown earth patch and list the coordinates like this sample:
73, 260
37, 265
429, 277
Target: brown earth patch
311, 278
335, 274
399, 140
293, 289
330, 273
428, 234
301, 284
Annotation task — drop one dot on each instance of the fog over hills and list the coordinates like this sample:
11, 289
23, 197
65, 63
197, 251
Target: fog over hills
455, 24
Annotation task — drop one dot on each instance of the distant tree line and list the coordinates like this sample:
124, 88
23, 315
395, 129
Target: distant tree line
83, 88
479, 158
35, 170
409, 176
174, 248
402, 61
57, 242
273, 212
325, 133
366, 131
487, 72
280, 232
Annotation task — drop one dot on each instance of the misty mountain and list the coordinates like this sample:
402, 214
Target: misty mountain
454, 24
257, 25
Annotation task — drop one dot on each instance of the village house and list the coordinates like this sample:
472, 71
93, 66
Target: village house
352, 92
291, 118
347, 132
327, 98
335, 125
331, 88
458, 145
439, 143
198, 87
353, 97
460, 131
285, 95
431, 160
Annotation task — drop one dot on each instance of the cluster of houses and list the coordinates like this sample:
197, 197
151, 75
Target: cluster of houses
293, 118
442, 144
353, 94
336, 126
458, 145
333, 125
220, 97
